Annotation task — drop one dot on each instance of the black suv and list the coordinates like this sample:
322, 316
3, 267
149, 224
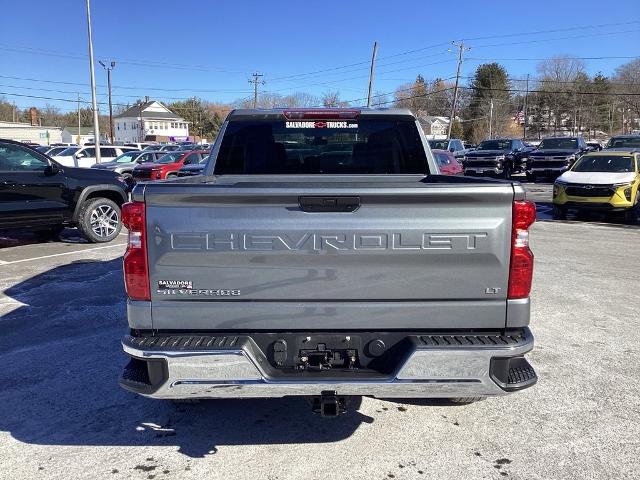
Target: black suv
554, 156
39, 194
624, 142
497, 157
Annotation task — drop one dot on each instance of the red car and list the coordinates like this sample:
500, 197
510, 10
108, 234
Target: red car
168, 165
447, 162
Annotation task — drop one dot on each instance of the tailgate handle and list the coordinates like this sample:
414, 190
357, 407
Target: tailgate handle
329, 204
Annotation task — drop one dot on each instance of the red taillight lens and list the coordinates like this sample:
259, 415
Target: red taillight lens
321, 114
136, 269
521, 267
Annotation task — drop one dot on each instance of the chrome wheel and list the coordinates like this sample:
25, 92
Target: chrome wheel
104, 221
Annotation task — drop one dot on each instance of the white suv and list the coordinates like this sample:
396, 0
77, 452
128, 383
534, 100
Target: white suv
85, 157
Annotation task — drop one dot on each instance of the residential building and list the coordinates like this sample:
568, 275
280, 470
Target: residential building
434, 128
149, 121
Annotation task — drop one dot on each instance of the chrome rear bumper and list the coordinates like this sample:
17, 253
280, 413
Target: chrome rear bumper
429, 372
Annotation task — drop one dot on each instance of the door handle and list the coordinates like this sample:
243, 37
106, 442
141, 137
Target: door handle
329, 204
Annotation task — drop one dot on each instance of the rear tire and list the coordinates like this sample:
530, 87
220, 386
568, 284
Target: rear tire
99, 220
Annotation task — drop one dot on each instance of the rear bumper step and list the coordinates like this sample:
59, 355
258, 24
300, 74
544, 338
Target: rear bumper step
234, 366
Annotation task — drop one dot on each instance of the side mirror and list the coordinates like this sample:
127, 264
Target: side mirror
51, 169
80, 155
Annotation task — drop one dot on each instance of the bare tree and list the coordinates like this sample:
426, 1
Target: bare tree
332, 99
557, 76
380, 99
627, 78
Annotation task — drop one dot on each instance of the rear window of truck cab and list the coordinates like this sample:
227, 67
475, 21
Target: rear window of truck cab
358, 146
559, 143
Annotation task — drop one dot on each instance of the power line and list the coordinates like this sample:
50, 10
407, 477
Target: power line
564, 29
364, 63
143, 63
568, 82
122, 87
541, 40
408, 52
515, 90
119, 95
364, 67
379, 74
551, 58
75, 100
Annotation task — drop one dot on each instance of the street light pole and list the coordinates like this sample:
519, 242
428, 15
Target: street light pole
94, 101
111, 66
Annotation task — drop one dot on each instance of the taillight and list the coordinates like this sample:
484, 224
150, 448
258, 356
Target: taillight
136, 268
521, 267
321, 114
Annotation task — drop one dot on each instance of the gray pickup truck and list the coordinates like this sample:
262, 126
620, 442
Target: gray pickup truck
321, 254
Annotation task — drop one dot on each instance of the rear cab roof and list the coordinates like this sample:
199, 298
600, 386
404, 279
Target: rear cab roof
346, 113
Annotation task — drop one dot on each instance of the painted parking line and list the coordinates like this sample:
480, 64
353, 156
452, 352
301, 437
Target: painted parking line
61, 254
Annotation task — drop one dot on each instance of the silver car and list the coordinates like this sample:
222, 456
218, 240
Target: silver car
125, 163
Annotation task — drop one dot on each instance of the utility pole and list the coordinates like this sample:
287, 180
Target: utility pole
94, 101
78, 137
111, 66
461, 51
141, 137
526, 115
256, 80
491, 118
373, 64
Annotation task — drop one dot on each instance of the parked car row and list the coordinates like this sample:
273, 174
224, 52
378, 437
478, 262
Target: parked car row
144, 165
499, 157
551, 158
46, 189
167, 166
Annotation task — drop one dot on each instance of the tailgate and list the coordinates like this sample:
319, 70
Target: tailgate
246, 256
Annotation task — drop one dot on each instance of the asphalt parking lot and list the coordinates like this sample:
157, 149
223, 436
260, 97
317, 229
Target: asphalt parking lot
62, 415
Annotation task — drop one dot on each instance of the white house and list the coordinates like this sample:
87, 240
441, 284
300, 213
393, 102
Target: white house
435, 128
158, 124
26, 132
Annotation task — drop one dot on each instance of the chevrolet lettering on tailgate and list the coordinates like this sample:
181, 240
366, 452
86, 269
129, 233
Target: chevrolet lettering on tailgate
327, 241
